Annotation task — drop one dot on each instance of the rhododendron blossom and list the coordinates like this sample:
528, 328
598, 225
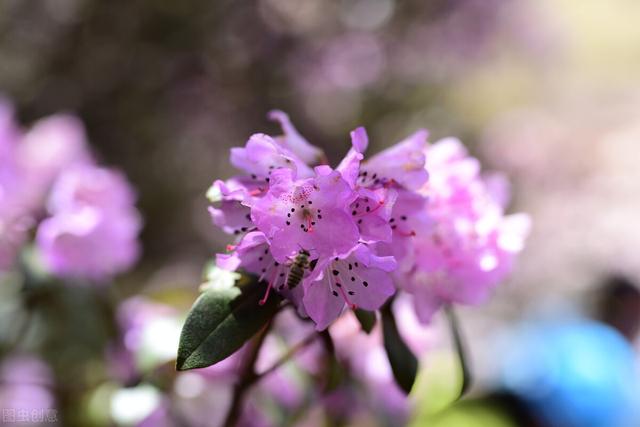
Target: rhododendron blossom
308, 214
368, 227
360, 280
470, 245
84, 215
283, 207
93, 230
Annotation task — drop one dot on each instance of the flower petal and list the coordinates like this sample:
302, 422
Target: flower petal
295, 142
403, 163
306, 214
321, 303
349, 167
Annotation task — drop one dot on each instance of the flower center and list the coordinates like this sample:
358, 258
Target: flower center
400, 226
303, 216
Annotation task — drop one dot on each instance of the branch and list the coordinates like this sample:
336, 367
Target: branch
460, 347
247, 377
288, 355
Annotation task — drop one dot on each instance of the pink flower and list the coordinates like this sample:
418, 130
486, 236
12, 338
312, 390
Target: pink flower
366, 222
283, 207
261, 155
359, 279
52, 145
12, 228
259, 158
102, 188
29, 163
26, 387
253, 254
308, 214
94, 226
372, 209
470, 245
402, 164
295, 142
397, 216
231, 212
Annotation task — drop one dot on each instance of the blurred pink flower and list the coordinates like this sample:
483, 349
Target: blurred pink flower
12, 227
93, 230
26, 384
50, 146
30, 161
470, 245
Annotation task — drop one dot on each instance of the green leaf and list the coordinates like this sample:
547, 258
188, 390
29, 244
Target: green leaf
366, 318
221, 321
437, 386
404, 363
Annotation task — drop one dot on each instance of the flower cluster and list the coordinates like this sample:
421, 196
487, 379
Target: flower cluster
83, 215
471, 244
351, 235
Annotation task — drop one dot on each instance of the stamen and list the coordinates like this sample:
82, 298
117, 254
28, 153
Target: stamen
335, 273
369, 210
411, 233
266, 294
269, 286
351, 305
389, 183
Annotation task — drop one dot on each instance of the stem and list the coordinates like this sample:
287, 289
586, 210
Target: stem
460, 347
288, 355
247, 377
327, 341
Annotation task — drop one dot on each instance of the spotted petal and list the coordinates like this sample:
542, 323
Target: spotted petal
361, 279
261, 155
403, 163
307, 214
229, 212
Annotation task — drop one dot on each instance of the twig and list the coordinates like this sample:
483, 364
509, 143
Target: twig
288, 355
327, 341
247, 378
460, 347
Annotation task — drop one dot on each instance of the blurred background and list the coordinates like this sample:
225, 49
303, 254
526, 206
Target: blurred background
547, 91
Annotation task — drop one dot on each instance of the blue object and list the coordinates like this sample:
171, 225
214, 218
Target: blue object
576, 373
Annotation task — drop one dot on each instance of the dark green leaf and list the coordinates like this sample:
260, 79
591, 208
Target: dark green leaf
404, 363
221, 321
367, 319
